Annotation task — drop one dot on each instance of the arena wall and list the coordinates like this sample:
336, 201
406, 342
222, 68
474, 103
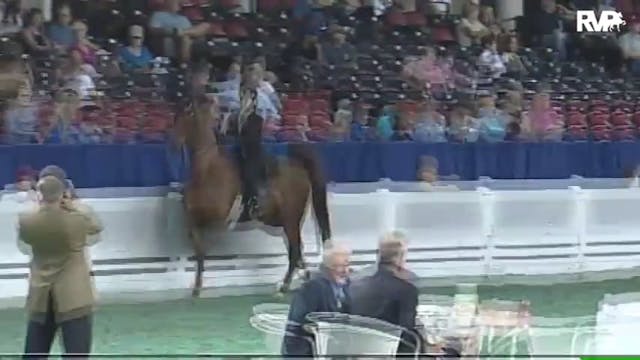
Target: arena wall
489, 236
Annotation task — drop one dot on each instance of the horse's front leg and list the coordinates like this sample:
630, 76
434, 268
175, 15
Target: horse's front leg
200, 253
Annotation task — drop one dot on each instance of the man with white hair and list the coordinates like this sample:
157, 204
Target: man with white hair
389, 294
326, 291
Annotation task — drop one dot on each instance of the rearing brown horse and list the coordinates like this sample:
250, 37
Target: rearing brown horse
214, 185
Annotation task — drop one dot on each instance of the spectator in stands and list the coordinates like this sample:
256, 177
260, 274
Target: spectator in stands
83, 45
630, 44
14, 71
326, 291
430, 125
360, 130
338, 51
428, 70
390, 294
386, 122
543, 121
404, 129
428, 171
176, 31
492, 122
549, 26
25, 186
60, 32
233, 73
488, 18
77, 75
32, 34
470, 30
310, 15
509, 48
12, 13
21, 118
342, 119
60, 290
490, 59
462, 126
306, 49
62, 129
135, 57
267, 106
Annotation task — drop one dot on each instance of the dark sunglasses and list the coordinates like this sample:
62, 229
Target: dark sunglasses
136, 37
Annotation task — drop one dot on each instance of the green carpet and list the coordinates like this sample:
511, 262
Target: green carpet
221, 325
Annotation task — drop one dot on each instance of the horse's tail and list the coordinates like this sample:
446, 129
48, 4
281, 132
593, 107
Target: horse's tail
305, 155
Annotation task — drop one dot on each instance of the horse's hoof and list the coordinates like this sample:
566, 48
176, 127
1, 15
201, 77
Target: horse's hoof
282, 288
195, 293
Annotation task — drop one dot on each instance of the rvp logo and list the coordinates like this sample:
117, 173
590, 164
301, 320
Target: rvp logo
586, 21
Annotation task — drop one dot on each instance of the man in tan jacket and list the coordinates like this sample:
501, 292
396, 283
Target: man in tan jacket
60, 289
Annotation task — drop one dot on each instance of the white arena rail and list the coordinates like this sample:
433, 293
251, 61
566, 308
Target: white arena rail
484, 234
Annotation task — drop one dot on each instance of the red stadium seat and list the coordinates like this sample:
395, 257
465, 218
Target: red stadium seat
627, 134
127, 122
236, 30
155, 5
319, 94
320, 121
216, 29
415, 19
395, 19
621, 119
319, 105
269, 6
601, 135
576, 119
599, 120
295, 106
193, 13
577, 133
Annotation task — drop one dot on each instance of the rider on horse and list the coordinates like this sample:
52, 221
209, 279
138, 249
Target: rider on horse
252, 160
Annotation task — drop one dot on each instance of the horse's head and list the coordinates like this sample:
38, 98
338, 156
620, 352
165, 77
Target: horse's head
195, 118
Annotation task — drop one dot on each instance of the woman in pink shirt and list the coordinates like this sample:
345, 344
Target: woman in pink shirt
544, 123
428, 70
85, 47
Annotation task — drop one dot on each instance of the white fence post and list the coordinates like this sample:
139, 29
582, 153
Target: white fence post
388, 202
487, 199
580, 218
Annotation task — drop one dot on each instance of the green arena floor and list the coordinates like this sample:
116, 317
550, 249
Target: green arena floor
221, 325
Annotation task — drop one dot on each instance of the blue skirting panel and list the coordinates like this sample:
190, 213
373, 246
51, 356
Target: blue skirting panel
154, 164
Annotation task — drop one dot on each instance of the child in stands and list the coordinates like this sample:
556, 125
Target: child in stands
430, 125
543, 121
492, 121
342, 119
462, 126
22, 118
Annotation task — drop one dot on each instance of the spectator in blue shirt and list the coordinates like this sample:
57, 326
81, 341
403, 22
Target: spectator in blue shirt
60, 32
21, 119
136, 56
176, 30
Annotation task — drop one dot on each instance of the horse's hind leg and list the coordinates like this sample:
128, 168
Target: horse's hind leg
198, 248
294, 251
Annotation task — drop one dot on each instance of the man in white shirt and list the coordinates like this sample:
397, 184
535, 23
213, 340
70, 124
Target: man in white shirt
630, 44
